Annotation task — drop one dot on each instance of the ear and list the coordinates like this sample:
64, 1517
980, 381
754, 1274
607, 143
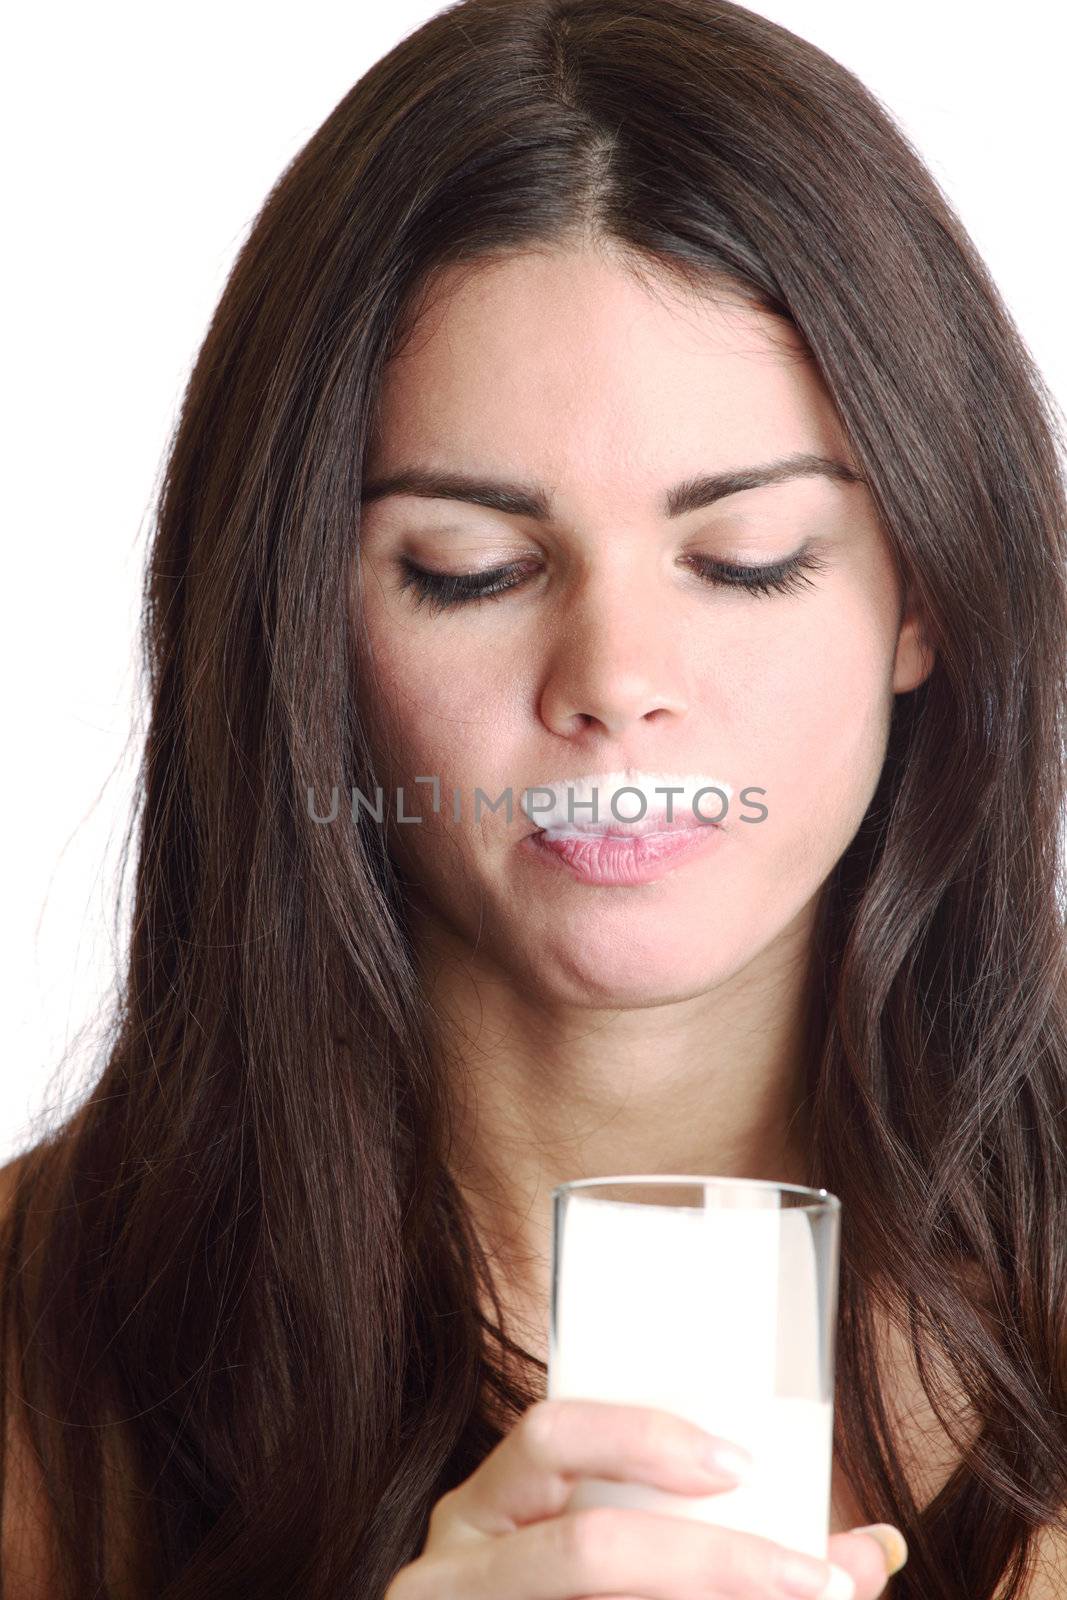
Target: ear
915, 655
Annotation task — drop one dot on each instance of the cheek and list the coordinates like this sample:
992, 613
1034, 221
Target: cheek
818, 723
444, 693
447, 716
436, 706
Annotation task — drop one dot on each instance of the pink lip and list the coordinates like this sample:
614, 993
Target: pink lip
623, 860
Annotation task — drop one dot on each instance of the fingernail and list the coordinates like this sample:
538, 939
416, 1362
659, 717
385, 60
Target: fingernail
840, 1585
801, 1578
719, 1458
892, 1541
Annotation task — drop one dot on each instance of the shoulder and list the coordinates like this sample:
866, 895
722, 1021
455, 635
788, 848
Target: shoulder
9, 1176
929, 1453
25, 1542
1049, 1580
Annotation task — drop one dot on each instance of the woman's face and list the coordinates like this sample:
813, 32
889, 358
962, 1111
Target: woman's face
616, 650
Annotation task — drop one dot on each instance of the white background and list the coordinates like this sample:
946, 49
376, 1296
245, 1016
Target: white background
140, 142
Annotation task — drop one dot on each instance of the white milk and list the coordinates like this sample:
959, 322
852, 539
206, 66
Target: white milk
713, 1314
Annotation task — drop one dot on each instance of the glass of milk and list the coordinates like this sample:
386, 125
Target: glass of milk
714, 1298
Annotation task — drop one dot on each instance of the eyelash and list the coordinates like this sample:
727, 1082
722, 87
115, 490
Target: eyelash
443, 591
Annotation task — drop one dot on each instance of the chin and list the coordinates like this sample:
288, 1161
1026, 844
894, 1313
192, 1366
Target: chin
627, 975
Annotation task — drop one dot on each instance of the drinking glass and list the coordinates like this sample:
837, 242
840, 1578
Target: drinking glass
714, 1298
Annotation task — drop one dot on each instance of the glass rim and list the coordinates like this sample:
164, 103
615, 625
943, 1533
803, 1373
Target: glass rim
819, 1198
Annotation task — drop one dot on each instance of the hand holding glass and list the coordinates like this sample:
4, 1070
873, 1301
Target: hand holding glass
716, 1299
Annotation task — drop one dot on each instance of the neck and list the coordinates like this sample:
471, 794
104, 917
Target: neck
714, 1084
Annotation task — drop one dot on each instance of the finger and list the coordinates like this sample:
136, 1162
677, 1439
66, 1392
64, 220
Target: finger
607, 1550
531, 1472
864, 1558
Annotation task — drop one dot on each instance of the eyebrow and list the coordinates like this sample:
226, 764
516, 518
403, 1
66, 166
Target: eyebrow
529, 500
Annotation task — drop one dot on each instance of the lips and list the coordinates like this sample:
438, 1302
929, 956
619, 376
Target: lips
623, 862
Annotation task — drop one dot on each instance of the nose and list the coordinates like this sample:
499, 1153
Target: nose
619, 663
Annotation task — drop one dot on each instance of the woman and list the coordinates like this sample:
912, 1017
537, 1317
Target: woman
606, 390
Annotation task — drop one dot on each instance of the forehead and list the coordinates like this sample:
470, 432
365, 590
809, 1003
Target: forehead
553, 358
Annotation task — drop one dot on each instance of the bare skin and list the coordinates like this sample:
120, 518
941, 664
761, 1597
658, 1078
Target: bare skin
595, 1030
589, 1030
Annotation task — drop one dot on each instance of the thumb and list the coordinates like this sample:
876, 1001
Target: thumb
870, 1555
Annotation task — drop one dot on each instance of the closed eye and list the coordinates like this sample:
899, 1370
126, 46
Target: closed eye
442, 591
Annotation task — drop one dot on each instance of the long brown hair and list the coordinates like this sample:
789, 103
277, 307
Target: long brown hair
246, 1250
